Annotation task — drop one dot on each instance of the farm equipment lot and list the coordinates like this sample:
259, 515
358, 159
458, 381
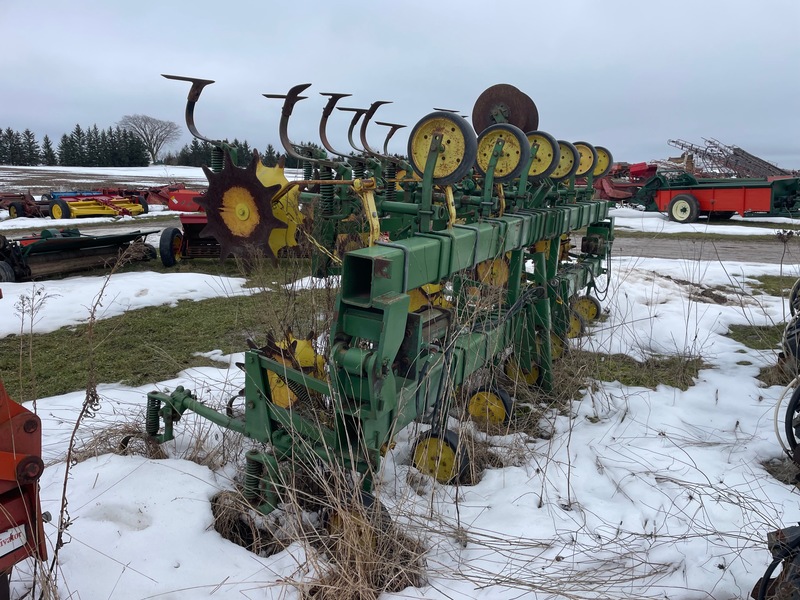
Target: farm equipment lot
628, 497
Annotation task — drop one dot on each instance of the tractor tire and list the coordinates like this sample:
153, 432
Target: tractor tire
16, 209
683, 208
143, 201
170, 246
7, 273
59, 209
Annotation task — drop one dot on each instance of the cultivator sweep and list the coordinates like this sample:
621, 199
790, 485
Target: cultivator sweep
453, 260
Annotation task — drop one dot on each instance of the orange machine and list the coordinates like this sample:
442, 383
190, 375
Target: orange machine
21, 531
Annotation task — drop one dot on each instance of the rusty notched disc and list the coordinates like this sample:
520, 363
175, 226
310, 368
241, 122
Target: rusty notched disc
504, 103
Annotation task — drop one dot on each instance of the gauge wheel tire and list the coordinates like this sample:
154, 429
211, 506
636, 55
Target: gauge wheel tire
683, 208
547, 157
440, 455
59, 209
489, 405
460, 146
568, 163
788, 422
588, 307
7, 273
587, 160
516, 152
15, 210
143, 202
170, 246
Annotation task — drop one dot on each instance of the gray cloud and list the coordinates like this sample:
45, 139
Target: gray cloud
626, 75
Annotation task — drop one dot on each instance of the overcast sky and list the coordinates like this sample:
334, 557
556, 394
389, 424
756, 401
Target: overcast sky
623, 74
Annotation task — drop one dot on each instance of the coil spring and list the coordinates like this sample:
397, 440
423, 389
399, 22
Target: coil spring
308, 170
326, 192
358, 170
151, 422
252, 477
391, 186
217, 159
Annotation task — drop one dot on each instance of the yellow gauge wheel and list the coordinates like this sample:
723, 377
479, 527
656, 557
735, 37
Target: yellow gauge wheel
576, 325
587, 307
59, 209
587, 160
567, 162
547, 155
515, 153
487, 407
281, 394
493, 272
425, 296
458, 146
514, 372
558, 346
604, 162
439, 456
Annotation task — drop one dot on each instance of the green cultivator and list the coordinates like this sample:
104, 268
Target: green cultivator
453, 260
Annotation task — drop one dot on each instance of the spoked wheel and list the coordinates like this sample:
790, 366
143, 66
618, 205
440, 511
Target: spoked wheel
587, 307
439, 455
515, 154
170, 246
604, 162
588, 158
576, 327
459, 146
683, 208
547, 157
514, 372
568, 162
489, 405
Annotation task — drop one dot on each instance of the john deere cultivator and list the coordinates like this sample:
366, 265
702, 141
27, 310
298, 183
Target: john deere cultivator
453, 260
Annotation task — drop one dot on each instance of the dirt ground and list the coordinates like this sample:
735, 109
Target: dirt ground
736, 249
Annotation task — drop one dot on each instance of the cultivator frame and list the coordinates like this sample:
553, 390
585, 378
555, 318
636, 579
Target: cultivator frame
414, 315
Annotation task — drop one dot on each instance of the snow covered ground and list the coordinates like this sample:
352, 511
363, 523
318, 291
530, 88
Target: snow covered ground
639, 493
642, 493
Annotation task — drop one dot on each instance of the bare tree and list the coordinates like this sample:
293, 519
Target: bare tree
154, 133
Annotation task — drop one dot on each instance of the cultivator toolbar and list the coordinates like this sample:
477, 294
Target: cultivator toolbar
453, 260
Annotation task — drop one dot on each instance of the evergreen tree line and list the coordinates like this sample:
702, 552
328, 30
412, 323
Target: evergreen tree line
117, 147
83, 147
198, 153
